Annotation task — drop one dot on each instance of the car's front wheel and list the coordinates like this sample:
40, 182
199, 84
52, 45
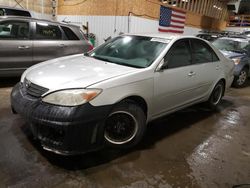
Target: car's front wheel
216, 95
240, 80
125, 125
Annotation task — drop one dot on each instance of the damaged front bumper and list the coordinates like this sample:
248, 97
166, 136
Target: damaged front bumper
60, 129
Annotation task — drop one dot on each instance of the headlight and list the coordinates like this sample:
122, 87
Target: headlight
236, 61
72, 97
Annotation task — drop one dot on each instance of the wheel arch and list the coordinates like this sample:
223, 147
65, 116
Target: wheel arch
248, 68
224, 82
219, 80
139, 101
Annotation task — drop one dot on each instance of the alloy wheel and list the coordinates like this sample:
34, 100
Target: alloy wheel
121, 127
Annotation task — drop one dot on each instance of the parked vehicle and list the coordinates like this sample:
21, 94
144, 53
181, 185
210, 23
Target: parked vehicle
9, 11
208, 36
80, 103
237, 49
27, 41
246, 33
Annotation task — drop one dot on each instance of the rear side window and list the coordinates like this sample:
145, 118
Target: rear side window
69, 33
1, 12
46, 31
179, 55
82, 35
14, 30
202, 53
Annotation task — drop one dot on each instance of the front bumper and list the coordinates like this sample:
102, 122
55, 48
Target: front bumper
63, 130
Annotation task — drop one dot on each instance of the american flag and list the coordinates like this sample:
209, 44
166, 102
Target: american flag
172, 21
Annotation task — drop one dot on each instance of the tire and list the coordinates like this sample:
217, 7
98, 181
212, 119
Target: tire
241, 79
216, 95
125, 125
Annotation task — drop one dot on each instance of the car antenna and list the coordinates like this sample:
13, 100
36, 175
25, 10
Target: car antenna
64, 20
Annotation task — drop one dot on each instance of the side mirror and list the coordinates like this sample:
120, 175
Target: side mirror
162, 65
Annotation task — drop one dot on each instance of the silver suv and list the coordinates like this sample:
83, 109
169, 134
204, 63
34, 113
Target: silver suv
26, 41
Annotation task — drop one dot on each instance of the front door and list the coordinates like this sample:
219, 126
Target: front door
173, 87
15, 46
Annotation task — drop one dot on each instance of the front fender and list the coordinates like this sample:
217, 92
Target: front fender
142, 88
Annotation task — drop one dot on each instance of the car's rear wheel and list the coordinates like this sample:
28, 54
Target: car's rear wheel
240, 80
216, 95
125, 125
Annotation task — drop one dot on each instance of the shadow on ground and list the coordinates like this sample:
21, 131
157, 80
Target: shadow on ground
9, 82
157, 130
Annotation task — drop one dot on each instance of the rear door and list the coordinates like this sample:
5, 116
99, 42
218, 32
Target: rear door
206, 67
72, 43
15, 46
48, 43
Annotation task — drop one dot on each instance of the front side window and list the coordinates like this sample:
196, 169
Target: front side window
46, 31
14, 30
179, 55
202, 53
2, 12
134, 51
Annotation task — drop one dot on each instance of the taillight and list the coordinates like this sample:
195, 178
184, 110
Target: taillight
91, 47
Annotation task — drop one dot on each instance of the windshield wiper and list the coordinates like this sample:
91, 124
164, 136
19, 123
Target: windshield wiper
238, 51
129, 65
118, 63
104, 59
101, 58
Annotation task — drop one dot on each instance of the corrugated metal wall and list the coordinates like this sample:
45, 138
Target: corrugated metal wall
105, 26
101, 26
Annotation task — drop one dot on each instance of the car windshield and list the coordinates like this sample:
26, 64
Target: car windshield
133, 51
230, 45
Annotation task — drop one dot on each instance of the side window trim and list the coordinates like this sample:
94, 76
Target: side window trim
64, 37
32, 30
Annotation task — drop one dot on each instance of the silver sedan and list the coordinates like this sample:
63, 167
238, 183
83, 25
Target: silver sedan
80, 103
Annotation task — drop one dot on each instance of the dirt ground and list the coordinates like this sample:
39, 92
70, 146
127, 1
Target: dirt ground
191, 148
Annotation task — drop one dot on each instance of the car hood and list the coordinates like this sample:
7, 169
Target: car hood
76, 71
231, 55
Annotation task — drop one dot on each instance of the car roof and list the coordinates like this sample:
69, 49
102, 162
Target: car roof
36, 19
163, 35
238, 39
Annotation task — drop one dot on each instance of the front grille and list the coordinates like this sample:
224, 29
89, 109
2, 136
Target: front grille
54, 135
33, 89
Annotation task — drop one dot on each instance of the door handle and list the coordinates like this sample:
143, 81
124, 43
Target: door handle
62, 45
23, 47
190, 74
